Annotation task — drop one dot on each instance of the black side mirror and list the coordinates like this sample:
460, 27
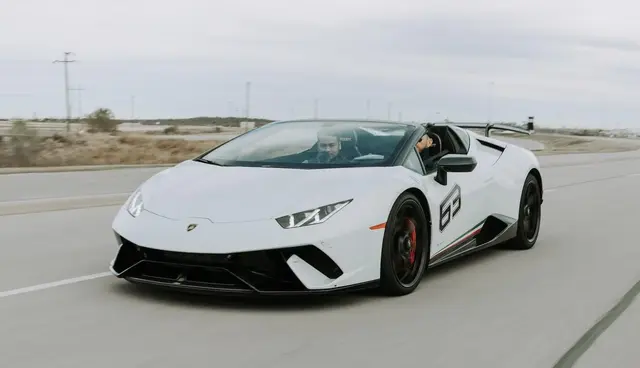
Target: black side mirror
454, 163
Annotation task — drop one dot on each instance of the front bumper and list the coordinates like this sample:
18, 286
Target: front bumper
265, 272
256, 257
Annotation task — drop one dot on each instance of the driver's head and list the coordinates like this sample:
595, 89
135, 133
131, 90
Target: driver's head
424, 142
328, 144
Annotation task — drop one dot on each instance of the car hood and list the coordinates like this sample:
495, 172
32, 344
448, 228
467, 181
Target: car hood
236, 194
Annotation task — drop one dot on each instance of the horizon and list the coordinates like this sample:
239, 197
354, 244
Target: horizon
411, 60
74, 120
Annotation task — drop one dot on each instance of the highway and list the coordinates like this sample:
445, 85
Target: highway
59, 307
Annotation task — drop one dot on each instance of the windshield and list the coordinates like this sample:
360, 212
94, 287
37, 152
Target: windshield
314, 144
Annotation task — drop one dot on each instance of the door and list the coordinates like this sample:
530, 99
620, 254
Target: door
456, 212
458, 208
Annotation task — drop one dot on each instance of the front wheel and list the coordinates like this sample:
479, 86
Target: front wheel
405, 247
529, 216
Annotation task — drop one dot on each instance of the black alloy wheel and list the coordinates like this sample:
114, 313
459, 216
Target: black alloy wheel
531, 212
530, 216
405, 250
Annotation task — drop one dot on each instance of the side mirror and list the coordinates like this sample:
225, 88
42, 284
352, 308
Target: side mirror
454, 163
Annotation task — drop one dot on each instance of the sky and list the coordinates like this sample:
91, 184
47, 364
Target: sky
566, 62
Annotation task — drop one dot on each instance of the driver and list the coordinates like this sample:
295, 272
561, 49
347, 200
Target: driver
422, 145
329, 147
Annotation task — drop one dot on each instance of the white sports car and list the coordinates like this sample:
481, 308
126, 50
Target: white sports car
318, 206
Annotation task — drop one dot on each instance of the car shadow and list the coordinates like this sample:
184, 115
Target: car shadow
277, 304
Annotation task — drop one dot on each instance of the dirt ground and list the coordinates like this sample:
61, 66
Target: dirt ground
102, 149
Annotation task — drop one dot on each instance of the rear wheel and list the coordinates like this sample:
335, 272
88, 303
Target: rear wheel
529, 216
405, 247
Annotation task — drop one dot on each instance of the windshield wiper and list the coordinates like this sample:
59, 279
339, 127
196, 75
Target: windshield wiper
204, 160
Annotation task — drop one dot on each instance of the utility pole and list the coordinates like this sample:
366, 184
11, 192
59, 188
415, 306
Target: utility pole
79, 90
66, 61
247, 96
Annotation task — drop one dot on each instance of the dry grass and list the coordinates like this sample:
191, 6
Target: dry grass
129, 148
105, 149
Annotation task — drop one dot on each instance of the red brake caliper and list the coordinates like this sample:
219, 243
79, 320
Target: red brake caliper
412, 251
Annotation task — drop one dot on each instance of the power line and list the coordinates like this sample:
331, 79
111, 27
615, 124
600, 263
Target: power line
66, 61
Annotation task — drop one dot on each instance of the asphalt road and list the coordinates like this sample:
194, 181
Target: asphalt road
20, 187
58, 307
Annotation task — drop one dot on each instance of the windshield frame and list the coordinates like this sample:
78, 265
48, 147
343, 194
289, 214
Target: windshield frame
393, 160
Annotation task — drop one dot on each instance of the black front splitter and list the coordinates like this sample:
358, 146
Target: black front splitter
213, 291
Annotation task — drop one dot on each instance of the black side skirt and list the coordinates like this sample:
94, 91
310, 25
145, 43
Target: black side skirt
497, 229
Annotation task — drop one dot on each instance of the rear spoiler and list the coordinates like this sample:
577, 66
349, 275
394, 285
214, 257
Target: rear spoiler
488, 127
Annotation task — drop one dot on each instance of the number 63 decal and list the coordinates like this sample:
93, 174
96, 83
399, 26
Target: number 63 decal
450, 207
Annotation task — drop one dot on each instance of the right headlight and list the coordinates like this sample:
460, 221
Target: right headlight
135, 204
311, 217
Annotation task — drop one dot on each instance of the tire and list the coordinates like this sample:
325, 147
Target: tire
407, 213
531, 196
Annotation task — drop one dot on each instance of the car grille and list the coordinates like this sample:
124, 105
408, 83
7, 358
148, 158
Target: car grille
245, 272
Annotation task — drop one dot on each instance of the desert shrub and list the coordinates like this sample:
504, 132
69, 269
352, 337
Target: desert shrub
102, 121
21, 147
171, 130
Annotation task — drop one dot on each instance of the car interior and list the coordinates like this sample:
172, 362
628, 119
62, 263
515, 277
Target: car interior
358, 144
445, 141
362, 144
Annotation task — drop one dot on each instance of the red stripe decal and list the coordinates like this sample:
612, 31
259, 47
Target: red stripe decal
464, 239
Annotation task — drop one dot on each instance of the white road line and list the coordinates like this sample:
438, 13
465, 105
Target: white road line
50, 285
47, 199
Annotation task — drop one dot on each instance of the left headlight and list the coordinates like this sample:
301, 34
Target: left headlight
135, 205
311, 217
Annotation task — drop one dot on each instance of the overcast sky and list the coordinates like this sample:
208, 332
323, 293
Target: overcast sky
566, 62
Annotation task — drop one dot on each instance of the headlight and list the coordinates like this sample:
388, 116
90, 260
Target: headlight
134, 205
311, 217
